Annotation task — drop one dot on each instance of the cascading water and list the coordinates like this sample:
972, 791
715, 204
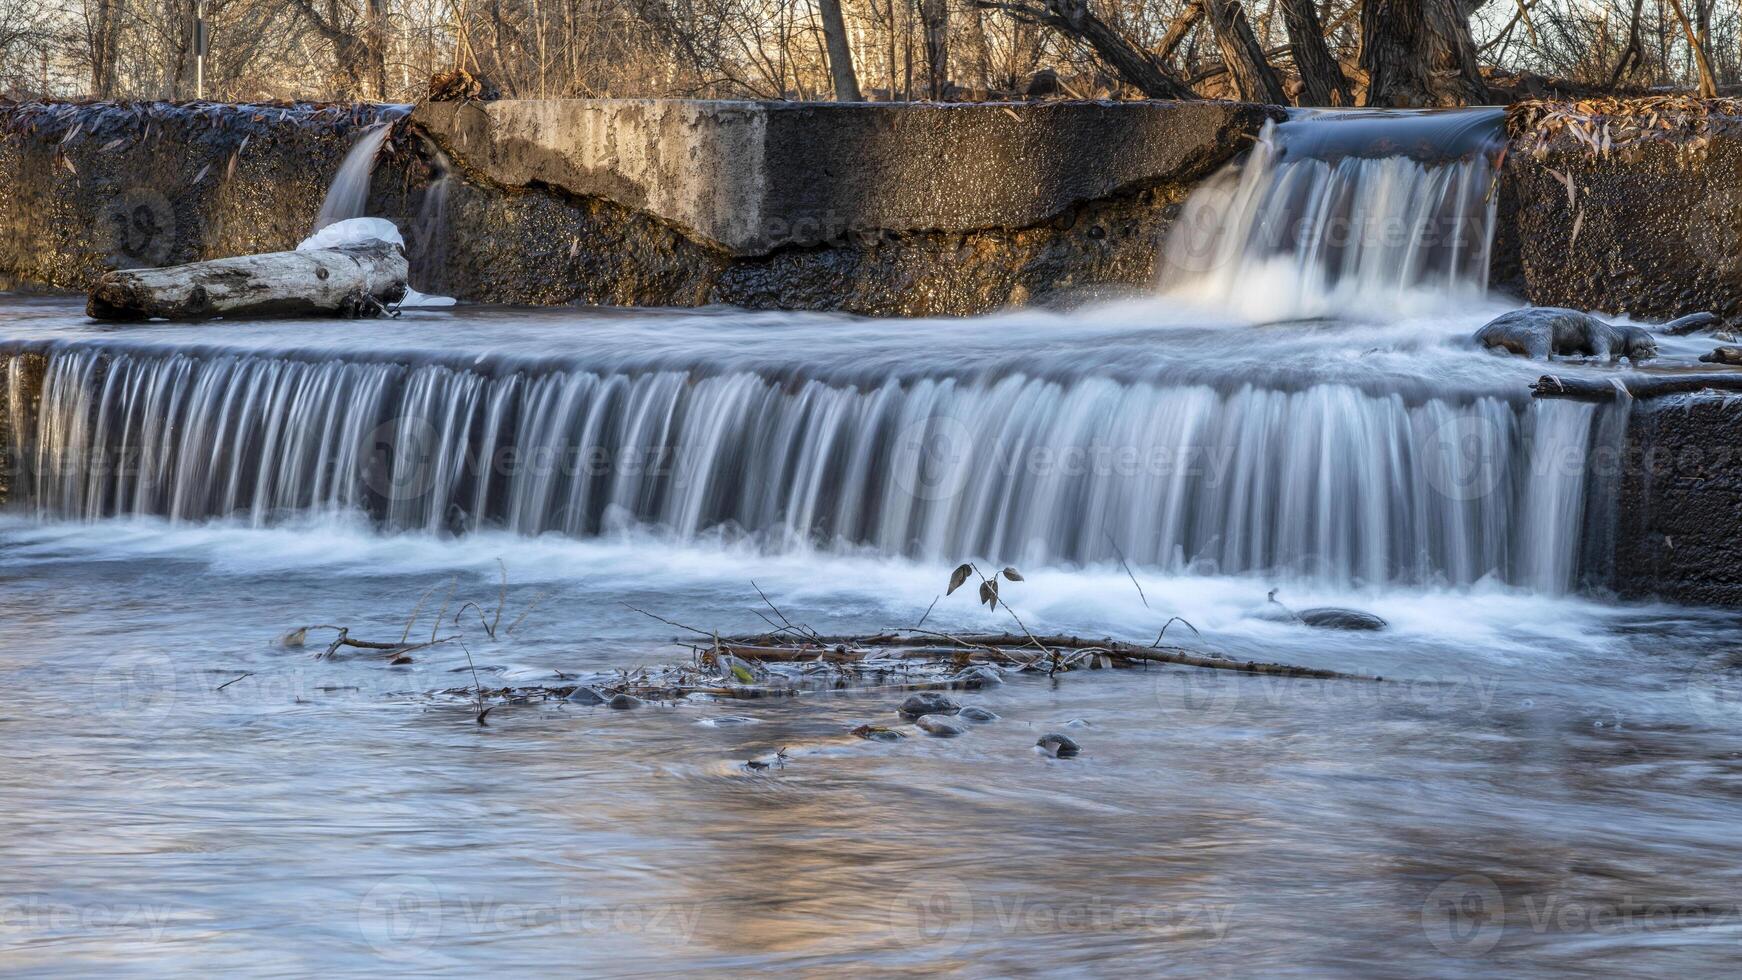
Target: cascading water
1336, 472
1344, 212
348, 195
1329, 482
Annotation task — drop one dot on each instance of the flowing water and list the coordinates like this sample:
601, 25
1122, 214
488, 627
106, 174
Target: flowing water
1546, 782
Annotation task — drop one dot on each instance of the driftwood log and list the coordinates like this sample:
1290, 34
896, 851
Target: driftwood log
348, 280
1640, 386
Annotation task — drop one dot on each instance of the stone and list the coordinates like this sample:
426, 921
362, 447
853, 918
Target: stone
877, 733
974, 712
1541, 331
625, 702
585, 695
928, 703
1335, 618
1723, 355
1058, 746
979, 676
940, 725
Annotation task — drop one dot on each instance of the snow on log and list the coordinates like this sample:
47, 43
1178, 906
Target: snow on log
354, 279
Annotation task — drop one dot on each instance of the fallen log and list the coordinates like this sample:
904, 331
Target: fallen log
1654, 386
1014, 646
351, 280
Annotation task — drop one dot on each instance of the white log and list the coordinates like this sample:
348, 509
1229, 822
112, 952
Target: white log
347, 280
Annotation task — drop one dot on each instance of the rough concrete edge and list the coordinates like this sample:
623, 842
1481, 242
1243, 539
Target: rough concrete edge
1196, 168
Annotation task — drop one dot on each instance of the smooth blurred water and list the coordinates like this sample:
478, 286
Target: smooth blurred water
1577, 757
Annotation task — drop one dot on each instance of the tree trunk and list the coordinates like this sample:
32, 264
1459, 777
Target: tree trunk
935, 18
840, 54
1181, 26
1708, 79
1418, 53
1243, 55
1322, 80
350, 280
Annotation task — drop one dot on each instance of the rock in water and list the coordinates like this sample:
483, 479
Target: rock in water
877, 733
1058, 746
585, 695
1541, 331
979, 676
1333, 618
624, 702
929, 703
974, 712
1723, 355
940, 725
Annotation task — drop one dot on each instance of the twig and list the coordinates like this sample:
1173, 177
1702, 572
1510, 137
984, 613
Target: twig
928, 609
662, 619
1126, 566
1170, 622
246, 673
477, 685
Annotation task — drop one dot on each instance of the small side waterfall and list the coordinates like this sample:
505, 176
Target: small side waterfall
1343, 212
348, 196
1328, 483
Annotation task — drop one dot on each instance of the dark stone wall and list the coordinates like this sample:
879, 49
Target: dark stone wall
97, 186
1679, 531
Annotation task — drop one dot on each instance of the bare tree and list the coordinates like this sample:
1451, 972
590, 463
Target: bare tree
1242, 54
1074, 19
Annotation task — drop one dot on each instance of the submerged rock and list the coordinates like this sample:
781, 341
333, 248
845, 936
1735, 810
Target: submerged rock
940, 725
929, 703
585, 695
1058, 746
1334, 618
974, 712
979, 676
877, 733
1723, 355
624, 702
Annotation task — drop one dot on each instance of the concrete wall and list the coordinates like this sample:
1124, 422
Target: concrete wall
1651, 225
751, 177
880, 209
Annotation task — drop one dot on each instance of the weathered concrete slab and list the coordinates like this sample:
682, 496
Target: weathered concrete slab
753, 177
1596, 217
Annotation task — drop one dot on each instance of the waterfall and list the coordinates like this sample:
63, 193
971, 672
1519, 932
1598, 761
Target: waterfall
348, 196
1343, 213
1329, 483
